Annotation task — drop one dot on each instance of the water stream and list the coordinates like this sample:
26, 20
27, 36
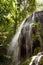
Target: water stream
36, 58
30, 24
15, 38
14, 45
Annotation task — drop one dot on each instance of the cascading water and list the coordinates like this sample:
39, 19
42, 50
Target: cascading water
14, 45
31, 23
15, 39
33, 58
36, 58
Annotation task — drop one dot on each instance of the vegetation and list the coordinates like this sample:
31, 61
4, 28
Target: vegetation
41, 61
36, 35
12, 13
26, 62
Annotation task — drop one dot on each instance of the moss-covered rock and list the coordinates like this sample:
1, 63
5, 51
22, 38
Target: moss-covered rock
29, 60
26, 62
36, 50
41, 61
36, 40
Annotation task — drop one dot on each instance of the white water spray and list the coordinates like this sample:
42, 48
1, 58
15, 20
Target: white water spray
33, 58
36, 58
31, 23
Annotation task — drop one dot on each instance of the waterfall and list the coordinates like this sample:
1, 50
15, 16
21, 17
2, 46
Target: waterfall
33, 58
36, 58
31, 23
14, 45
14, 41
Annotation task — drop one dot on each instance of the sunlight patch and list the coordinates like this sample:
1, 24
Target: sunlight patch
39, 1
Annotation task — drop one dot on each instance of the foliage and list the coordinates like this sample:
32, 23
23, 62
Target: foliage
41, 61
26, 62
38, 28
12, 13
36, 50
36, 35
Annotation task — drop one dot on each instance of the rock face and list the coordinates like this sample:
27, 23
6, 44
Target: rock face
26, 44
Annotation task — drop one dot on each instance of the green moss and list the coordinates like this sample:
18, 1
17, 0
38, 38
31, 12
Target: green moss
37, 25
37, 36
33, 63
36, 50
41, 61
26, 62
